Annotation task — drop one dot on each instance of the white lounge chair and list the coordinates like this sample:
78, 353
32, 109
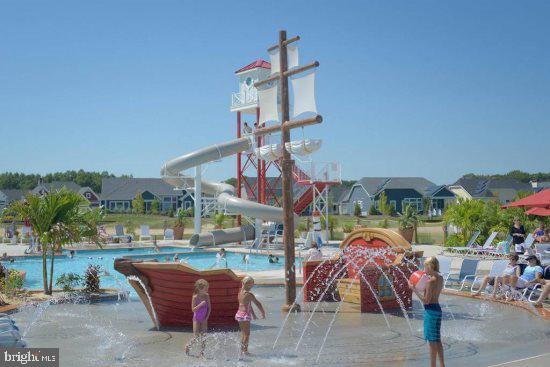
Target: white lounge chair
469, 245
487, 246
144, 232
497, 268
169, 234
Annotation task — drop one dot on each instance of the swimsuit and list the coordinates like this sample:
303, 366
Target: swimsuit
200, 314
432, 322
242, 316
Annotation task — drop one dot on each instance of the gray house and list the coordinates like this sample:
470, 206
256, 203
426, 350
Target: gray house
399, 191
117, 194
87, 192
504, 190
8, 196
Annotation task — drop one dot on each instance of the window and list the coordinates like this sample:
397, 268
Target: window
385, 291
393, 204
416, 203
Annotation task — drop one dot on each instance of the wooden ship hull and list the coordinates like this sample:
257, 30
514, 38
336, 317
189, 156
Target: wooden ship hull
170, 287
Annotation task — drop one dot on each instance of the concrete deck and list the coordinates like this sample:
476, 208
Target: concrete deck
475, 333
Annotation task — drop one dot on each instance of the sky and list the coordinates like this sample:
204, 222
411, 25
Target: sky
406, 88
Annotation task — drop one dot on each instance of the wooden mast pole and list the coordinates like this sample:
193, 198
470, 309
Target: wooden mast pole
287, 162
288, 197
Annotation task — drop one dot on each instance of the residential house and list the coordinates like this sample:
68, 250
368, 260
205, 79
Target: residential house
399, 191
504, 190
117, 194
539, 185
87, 192
8, 196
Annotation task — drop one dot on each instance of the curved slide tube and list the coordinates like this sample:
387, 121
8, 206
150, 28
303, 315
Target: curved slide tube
225, 193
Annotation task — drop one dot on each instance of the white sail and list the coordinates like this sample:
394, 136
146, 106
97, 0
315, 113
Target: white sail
268, 104
304, 94
303, 147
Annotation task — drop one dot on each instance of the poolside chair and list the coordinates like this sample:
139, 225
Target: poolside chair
9, 333
169, 234
487, 246
528, 243
469, 245
497, 268
144, 232
444, 266
542, 251
468, 269
119, 233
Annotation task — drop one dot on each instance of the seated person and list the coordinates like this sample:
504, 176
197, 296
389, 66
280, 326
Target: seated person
314, 253
544, 294
531, 275
4, 256
509, 276
541, 234
176, 258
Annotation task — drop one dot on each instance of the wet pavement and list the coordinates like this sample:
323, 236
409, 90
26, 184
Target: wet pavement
475, 333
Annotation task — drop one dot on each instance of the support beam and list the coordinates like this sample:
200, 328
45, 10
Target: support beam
198, 199
287, 73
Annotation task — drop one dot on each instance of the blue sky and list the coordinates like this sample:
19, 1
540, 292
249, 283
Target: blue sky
424, 88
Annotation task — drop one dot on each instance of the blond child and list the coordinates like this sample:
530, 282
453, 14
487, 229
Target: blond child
200, 305
245, 314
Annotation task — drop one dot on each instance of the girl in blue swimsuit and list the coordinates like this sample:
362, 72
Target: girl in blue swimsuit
432, 310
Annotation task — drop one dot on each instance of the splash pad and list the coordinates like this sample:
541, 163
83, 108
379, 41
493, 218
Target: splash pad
371, 272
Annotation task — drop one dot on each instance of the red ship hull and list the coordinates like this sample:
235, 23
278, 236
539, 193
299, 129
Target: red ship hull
170, 286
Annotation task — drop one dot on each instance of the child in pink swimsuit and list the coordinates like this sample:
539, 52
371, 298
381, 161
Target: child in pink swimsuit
200, 305
245, 314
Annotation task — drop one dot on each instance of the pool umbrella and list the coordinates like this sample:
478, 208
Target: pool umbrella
541, 212
539, 200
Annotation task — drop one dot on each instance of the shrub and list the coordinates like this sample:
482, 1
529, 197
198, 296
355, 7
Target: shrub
347, 227
68, 281
409, 219
356, 209
372, 210
92, 279
454, 241
170, 213
155, 206
12, 284
219, 218
384, 223
302, 227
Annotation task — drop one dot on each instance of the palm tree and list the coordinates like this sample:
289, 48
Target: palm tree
57, 218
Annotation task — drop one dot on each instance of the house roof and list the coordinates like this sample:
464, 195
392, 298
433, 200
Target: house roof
277, 186
375, 185
481, 187
13, 194
255, 64
58, 185
338, 193
114, 188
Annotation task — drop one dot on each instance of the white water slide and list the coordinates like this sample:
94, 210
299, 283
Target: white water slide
171, 172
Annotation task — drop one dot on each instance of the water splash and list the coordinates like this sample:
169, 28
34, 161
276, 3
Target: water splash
135, 278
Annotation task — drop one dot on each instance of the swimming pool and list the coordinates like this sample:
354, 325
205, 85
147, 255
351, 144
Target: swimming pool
105, 259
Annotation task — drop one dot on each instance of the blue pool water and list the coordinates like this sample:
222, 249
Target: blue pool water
105, 258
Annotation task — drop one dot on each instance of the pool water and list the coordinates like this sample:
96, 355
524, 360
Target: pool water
113, 279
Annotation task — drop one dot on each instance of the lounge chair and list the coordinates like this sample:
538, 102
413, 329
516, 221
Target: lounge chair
9, 333
468, 269
542, 251
169, 234
497, 268
487, 246
469, 245
528, 243
119, 233
144, 232
444, 266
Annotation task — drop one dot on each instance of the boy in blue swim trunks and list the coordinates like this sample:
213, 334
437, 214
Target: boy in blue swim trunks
432, 310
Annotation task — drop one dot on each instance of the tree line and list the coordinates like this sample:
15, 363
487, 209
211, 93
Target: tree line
516, 174
22, 181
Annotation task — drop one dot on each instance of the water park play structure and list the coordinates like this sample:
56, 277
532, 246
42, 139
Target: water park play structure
370, 275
